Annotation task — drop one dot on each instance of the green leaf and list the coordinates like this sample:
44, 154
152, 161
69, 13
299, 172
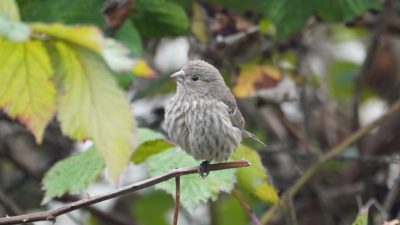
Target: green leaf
254, 178
289, 16
194, 189
62, 11
156, 18
154, 201
92, 106
72, 175
237, 5
10, 9
128, 35
13, 30
150, 143
362, 218
149, 148
146, 134
344, 10
26, 88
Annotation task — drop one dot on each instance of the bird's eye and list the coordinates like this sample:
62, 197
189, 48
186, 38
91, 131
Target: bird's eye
195, 78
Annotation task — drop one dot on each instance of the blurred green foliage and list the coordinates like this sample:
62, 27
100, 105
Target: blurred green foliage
63, 11
156, 203
157, 18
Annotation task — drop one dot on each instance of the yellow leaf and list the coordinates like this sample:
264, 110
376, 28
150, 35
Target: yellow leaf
116, 55
26, 88
87, 36
10, 9
92, 106
253, 77
142, 69
254, 179
198, 23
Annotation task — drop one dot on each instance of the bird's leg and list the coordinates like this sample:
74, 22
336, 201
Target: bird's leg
203, 169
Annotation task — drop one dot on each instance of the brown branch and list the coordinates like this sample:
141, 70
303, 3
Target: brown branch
113, 218
50, 215
339, 148
292, 213
177, 201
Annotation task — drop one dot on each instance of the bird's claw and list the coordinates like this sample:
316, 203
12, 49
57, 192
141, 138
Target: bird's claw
203, 169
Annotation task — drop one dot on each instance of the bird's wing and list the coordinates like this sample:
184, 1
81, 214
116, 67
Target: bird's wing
234, 112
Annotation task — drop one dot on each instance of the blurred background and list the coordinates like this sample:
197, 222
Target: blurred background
306, 74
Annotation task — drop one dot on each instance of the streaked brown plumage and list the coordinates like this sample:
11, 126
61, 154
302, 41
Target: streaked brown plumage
203, 117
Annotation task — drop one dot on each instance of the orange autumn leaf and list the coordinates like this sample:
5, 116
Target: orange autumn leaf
254, 77
142, 69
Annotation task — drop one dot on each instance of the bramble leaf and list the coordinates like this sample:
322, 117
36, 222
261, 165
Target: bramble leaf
194, 189
89, 37
92, 106
150, 143
254, 178
13, 30
72, 175
10, 9
23, 68
115, 54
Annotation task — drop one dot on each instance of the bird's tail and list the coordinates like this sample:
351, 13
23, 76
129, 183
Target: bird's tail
247, 134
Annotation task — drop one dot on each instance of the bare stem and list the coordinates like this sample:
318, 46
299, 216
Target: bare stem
177, 199
50, 215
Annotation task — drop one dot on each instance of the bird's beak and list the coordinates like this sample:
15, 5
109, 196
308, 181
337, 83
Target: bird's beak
178, 76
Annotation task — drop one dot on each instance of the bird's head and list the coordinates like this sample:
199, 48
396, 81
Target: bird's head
198, 77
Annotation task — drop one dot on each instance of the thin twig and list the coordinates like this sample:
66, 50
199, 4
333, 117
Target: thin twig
362, 158
9, 206
52, 214
177, 199
113, 218
292, 213
391, 196
341, 147
247, 209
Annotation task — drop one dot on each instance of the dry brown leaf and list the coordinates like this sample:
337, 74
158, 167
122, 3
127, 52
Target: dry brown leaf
115, 12
254, 77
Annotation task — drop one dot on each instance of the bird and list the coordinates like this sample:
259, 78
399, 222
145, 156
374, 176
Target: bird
203, 117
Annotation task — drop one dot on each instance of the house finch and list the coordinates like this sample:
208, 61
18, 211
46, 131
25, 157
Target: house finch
202, 117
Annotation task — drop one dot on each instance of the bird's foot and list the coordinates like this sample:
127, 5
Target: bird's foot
203, 169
